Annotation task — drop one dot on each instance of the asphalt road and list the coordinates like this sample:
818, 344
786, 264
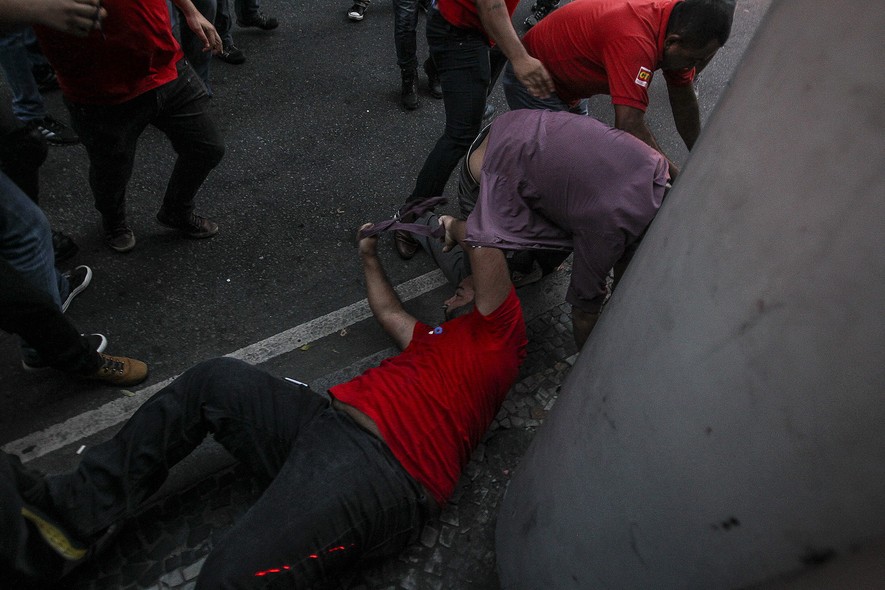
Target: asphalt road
316, 145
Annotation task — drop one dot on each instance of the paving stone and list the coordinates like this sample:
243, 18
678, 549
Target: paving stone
429, 534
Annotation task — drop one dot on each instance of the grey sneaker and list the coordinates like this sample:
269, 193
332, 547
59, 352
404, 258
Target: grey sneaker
259, 20
191, 225
119, 237
78, 279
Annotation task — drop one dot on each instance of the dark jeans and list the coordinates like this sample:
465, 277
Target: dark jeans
33, 315
461, 57
336, 496
110, 134
191, 44
405, 23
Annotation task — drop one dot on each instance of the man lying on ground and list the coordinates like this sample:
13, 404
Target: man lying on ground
351, 479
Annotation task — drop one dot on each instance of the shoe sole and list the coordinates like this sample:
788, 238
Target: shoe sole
122, 249
233, 62
355, 17
78, 289
256, 26
57, 538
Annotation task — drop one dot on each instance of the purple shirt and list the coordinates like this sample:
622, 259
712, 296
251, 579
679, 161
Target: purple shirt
559, 181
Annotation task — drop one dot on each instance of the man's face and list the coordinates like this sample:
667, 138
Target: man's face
678, 56
463, 296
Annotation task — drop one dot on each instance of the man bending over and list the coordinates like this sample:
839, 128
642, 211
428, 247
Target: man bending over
350, 479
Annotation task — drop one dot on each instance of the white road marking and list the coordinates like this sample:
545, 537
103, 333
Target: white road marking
91, 422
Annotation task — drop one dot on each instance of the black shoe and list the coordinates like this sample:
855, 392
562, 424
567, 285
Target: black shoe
357, 12
191, 224
33, 362
53, 131
78, 279
260, 21
409, 92
63, 246
433, 83
231, 54
539, 11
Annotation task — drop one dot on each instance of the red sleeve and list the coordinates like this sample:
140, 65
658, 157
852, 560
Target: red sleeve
630, 63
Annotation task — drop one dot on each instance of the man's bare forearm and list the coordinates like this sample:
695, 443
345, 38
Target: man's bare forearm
686, 113
77, 17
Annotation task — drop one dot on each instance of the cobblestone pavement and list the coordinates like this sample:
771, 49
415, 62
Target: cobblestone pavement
164, 547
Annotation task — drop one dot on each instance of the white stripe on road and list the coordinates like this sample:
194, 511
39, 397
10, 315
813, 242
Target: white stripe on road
113, 413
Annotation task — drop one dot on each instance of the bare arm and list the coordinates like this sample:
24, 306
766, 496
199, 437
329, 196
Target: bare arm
201, 27
491, 278
530, 71
383, 300
632, 120
686, 114
77, 17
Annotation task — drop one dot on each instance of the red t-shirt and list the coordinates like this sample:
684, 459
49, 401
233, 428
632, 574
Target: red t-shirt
464, 14
137, 53
435, 400
605, 47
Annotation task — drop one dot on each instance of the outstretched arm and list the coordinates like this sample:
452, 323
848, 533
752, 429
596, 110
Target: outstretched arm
77, 17
383, 300
686, 114
530, 71
201, 27
491, 278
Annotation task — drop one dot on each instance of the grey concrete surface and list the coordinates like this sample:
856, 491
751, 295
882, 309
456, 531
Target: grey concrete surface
316, 145
722, 426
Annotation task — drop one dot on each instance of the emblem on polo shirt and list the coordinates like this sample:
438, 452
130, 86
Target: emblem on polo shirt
643, 77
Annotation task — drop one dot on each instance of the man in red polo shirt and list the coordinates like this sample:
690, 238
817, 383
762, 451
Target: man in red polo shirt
350, 479
125, 73
614, 47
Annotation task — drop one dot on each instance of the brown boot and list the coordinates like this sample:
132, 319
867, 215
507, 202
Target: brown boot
120, 370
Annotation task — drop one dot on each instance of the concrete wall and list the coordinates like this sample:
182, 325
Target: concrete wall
726, 421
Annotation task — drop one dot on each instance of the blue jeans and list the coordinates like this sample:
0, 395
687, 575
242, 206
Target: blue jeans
336, 495
224, 22
405, 23
180, 109
461, 57
191, 45
26, 242
17, 62
518, 97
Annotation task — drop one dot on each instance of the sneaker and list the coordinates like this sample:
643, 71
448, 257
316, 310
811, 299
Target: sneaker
63, 246
357, 12
259, 20
538, 11
120, 370
192, 225
231, 54
78, 279
54, 131
119, 237
433, 83
33, 362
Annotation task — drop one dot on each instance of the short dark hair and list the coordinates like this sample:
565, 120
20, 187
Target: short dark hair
700, 21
